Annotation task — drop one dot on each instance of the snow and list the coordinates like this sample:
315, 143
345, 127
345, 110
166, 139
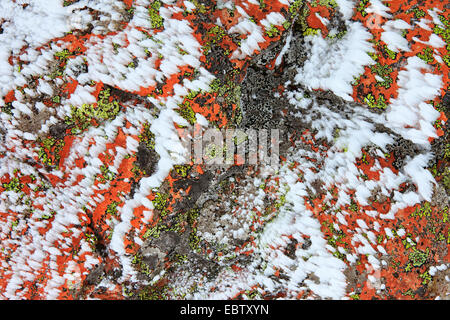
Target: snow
409, 114
334, 65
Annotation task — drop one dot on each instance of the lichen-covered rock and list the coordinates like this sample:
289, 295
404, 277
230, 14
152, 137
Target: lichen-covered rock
101, 103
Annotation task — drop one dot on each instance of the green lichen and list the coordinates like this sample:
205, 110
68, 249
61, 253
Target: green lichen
354, 296
408, 242
82, 117
91, 240
152, 232
324, 3
116, 48
424, 211
418, 257
230, 91
106, 174
185, 110
353, 206
311, 32
56, 99
361, 8
336, 237
182, 170
13, 185
384, 72
153, 293
294, 7
444, 32
262, 4
147, 136
63, 55
418, 13
212, 37
272, 31
50, 146
48, 216
338, 35
111, 209
160, 203
409, 292
379, 103
426, 55
390, 54
156, 20
199, 7
7, 108
426, 277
